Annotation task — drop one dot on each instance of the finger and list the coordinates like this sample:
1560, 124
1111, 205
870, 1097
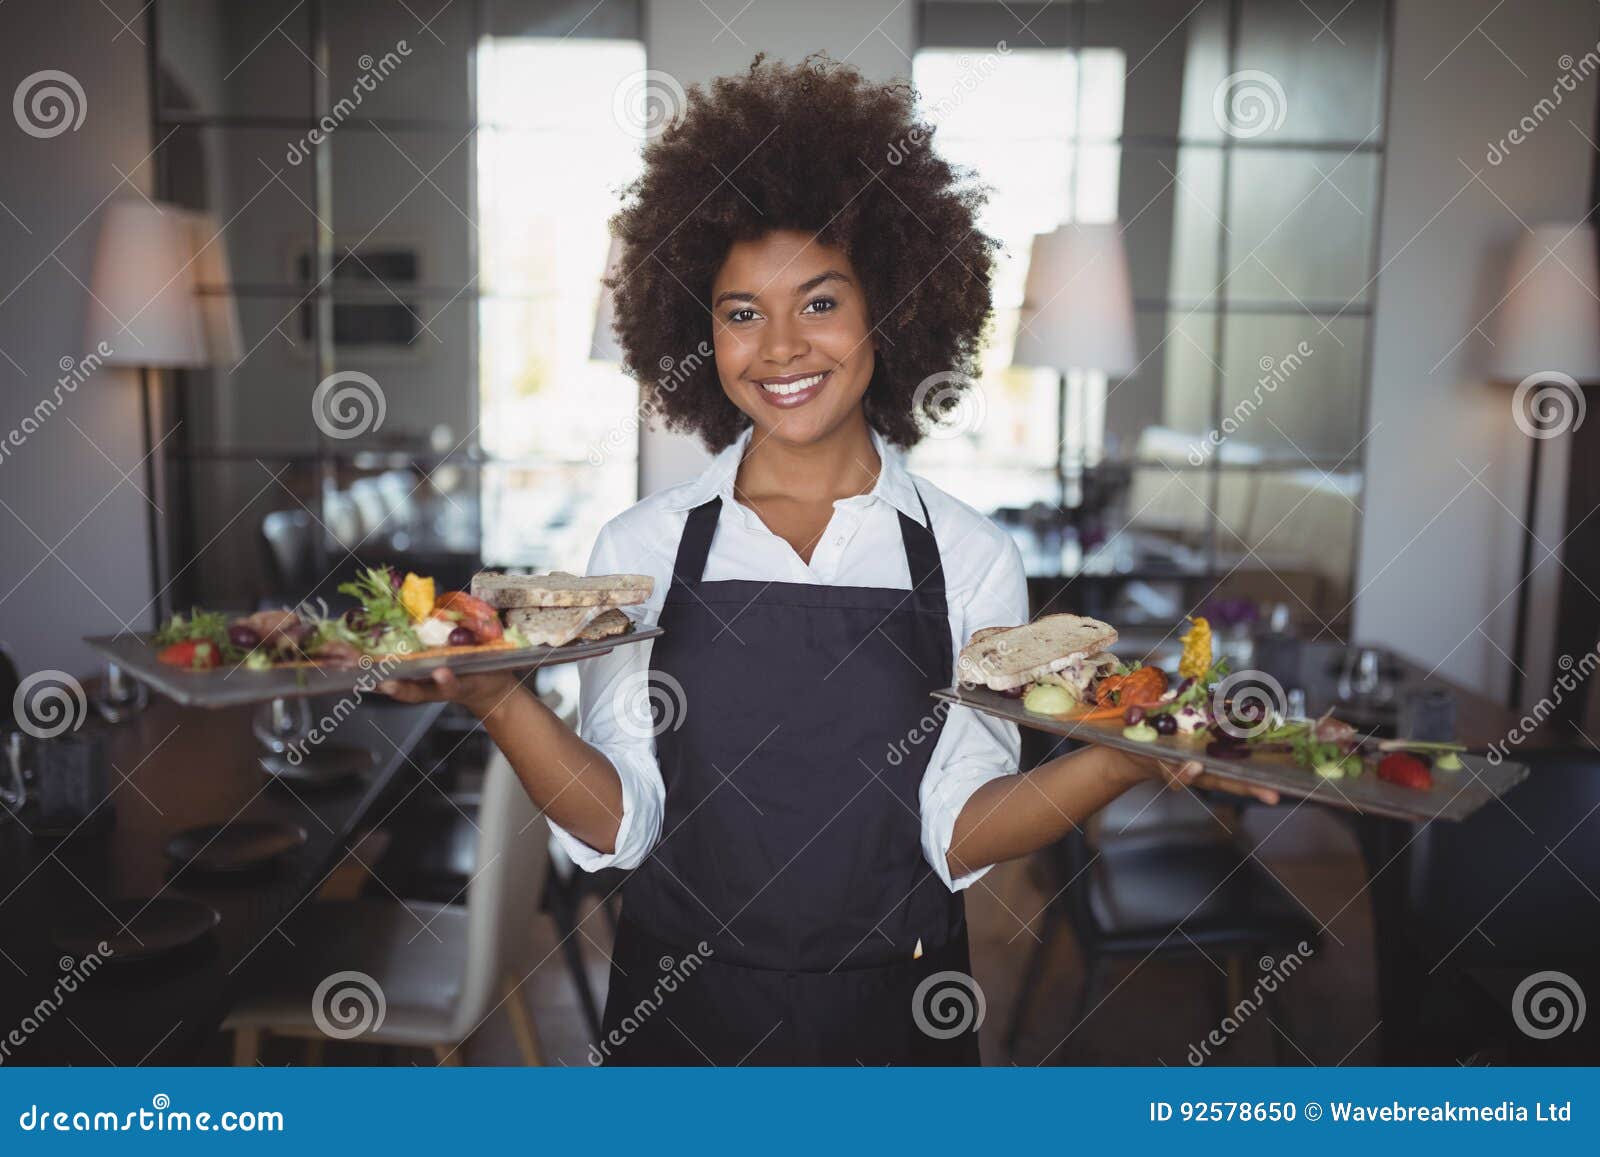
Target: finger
447, 683
407, 691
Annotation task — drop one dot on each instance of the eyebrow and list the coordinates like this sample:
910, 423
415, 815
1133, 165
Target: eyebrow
800, 290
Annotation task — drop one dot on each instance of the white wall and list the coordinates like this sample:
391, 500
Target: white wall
685, 38
1439, 552
99, 574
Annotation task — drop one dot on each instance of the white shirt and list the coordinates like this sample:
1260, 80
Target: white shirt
984, 586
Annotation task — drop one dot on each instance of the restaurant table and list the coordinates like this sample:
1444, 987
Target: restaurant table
173, 769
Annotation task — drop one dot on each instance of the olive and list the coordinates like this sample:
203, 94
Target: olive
356, 619
462, 637
1133, 715
1165, 725
244, 636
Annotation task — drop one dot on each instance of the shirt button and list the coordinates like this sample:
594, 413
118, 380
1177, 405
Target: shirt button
839, 541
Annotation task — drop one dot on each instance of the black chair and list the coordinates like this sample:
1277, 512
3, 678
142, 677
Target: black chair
1511, 892
1163, 892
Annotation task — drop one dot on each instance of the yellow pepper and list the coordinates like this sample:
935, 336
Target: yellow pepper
416, 596
1196, 659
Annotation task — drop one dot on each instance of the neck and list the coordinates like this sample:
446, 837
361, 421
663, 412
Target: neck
840, 464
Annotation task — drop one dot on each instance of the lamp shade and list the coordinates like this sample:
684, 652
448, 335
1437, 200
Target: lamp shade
603, 345
142, 291
1077, 309
1550, 318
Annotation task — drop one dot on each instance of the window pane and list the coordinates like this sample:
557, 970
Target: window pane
1302, 225
1164, 408
1326, 57
262, 205
228, 59
399, 60
406, 195
1170, 206
1176, 54
1293, 388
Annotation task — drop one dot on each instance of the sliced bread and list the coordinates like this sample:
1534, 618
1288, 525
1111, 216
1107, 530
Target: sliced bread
559, 589
1003, 658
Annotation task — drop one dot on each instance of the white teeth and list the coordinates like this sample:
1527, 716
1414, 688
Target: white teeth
786, 388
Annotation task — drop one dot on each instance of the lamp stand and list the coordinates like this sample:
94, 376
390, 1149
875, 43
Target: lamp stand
1519, 640
152, 512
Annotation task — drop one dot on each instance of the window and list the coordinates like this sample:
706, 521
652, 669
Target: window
1237, 145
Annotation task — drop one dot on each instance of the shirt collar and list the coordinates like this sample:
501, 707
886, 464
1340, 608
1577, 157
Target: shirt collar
894, 484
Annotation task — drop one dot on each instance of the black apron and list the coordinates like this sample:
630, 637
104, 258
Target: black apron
778, 917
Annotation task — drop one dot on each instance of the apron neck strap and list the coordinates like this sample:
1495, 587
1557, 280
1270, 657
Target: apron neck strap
922, 549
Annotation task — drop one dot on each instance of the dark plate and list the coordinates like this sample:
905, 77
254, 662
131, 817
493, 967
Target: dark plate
235, 847
1454, 796
225, 687
154, 927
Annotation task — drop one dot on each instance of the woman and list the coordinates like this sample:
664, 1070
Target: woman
800, 819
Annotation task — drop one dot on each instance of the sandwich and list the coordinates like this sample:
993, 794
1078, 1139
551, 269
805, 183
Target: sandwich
1066, 654
554, 609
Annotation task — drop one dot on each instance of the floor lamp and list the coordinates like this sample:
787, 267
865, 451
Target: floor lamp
145, 313
1548, 343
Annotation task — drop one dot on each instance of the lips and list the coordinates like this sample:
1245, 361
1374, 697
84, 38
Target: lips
793, 389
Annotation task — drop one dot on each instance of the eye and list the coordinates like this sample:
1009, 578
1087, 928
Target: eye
825, 304
743, 313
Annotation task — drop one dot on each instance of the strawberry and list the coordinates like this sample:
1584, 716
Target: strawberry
196, 654
1405, 770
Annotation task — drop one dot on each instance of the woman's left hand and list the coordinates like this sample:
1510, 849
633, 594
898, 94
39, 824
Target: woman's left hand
1191, 773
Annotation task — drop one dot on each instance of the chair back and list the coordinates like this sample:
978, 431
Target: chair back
503, 897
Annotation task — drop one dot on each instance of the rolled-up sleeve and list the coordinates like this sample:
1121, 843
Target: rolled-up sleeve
607, 685
973, 748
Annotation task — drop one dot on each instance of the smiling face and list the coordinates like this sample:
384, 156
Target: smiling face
792, 336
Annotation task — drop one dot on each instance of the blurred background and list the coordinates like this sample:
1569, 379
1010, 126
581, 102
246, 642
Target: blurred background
1283, 284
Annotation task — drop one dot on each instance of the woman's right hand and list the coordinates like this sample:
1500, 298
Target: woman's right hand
479, 694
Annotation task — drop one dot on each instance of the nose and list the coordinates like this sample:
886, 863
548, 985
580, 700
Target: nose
782, 341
